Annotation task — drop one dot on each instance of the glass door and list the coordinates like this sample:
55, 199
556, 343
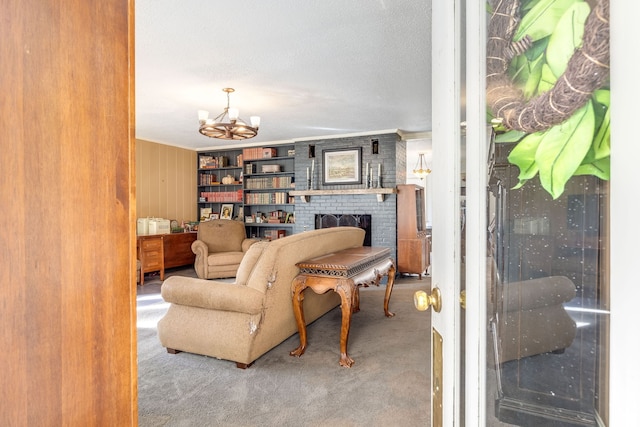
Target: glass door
538, 263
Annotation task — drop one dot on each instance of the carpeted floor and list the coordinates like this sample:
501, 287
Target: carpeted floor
387, 386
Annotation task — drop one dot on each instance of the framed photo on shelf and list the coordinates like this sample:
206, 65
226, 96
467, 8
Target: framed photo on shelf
205, 213
342, 166
226, 211
290, 218
214, 216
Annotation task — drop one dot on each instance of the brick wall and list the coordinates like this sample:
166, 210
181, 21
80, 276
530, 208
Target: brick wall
392, 156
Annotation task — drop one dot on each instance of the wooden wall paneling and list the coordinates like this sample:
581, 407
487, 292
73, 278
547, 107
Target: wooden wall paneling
166, 181
143, 189
154, 181
163, 181
67, 313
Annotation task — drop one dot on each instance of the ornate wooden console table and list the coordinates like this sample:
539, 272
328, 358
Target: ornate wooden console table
342, 272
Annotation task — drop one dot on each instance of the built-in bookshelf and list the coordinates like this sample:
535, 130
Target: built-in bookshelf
269, 176
255, 182
219, 183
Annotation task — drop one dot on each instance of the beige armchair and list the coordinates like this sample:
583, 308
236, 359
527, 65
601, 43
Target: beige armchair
220, 247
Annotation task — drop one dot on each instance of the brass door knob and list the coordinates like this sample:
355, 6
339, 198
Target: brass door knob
423, 300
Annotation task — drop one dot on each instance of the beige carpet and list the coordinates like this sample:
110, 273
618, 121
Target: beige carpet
387, 386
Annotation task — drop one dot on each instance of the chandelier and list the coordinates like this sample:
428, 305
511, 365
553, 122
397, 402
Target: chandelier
228, 124
421, 170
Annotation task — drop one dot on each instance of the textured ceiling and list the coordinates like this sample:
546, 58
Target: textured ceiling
307, 68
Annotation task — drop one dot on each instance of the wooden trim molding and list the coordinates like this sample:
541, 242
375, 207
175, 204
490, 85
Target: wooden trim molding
379, 192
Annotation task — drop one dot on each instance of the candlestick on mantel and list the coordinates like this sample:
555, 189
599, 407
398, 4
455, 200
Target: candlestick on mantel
379, 166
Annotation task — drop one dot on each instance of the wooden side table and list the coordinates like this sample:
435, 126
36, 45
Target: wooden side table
342, 272
151, 255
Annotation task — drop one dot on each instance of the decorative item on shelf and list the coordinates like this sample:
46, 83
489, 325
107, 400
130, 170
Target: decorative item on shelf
268, 153
379, 180
367, 177
228, 180
271, 168
421, 170
233, 128
290, 218
313, 175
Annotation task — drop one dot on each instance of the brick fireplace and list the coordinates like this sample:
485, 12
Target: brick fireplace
346, 220
390, 152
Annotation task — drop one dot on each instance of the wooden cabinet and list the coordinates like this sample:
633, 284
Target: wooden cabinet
160, 251
413, 241
177, 249
151, 255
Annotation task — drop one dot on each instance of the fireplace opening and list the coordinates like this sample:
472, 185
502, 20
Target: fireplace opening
346, 220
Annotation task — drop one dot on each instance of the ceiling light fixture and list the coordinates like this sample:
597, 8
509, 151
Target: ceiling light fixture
228, 125
421, 170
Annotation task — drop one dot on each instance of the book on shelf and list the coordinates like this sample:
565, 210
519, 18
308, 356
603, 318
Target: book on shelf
222, 196
274, 234
257, 153
213, 162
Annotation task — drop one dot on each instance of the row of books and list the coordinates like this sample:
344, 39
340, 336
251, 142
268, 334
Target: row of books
221, 196
208, 179
256, 153
268, 182
266, 198
215, 162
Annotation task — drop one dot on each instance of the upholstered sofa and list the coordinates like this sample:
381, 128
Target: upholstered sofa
219, 248
243, 320
530, 318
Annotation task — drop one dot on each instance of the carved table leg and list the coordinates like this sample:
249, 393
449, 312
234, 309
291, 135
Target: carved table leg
299, 285
346, 289
387, 295
355, 300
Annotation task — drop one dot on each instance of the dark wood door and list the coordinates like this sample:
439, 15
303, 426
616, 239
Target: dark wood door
67, 242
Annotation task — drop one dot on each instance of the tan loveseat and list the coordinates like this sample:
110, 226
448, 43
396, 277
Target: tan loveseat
243, 320
220, 247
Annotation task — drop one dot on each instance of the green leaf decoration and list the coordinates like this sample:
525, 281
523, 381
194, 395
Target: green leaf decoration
542, 19
547, 79
567, 37
600, 168
602, 140
562, 149
523, 155
538, 49
510, 136
535, 76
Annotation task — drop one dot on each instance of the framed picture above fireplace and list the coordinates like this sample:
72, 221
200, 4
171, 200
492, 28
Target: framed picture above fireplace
342, 166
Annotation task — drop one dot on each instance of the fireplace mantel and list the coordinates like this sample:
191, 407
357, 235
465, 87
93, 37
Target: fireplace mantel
379, 192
